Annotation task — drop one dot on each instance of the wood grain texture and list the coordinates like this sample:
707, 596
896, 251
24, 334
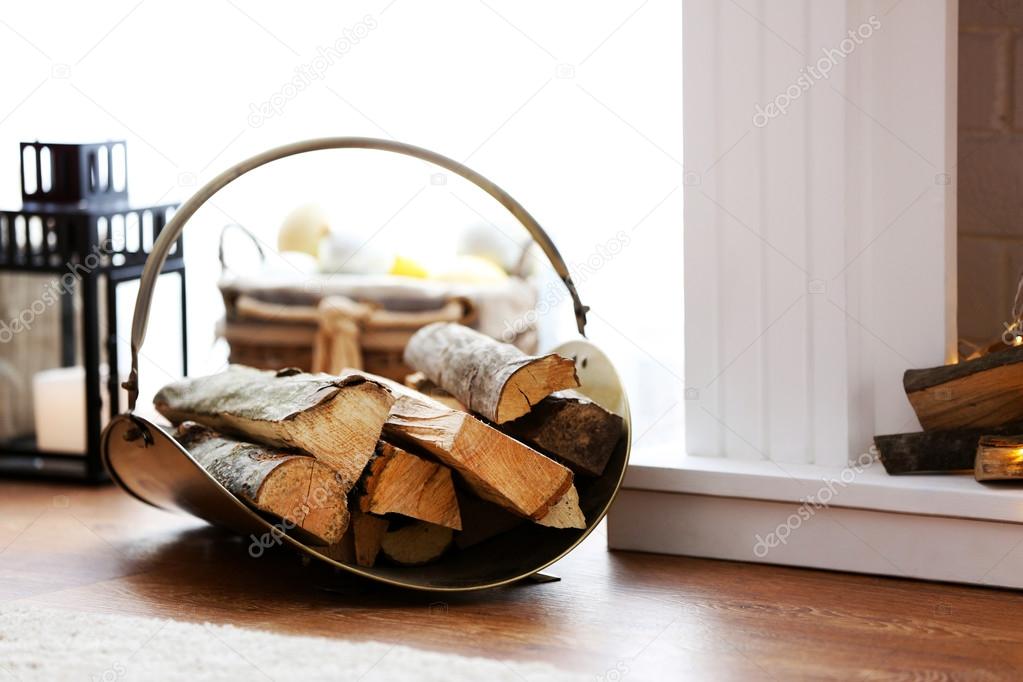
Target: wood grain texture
497, 467
416, 544
975, 393
398, 482
493, 379
367, 534
297, 488
98, 550
573, 428
335, 419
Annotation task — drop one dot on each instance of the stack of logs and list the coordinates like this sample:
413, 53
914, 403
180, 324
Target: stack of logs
972, 416
481, 439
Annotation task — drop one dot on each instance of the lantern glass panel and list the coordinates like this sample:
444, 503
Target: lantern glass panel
42, 382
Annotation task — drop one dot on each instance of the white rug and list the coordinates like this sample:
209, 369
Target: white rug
50, 644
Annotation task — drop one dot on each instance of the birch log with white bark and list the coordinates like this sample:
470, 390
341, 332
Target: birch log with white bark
293, 487
493, 379
335, 419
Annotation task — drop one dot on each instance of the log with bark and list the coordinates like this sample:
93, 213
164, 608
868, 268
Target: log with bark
418, 381
495, 466
975, 393
398, 482
943, 451
573, 428
294, 487
999, 458
493, 379
335, 419
416, 543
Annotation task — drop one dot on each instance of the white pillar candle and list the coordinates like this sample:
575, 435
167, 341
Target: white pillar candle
58, 401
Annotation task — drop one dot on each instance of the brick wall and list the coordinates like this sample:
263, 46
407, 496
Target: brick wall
990, 163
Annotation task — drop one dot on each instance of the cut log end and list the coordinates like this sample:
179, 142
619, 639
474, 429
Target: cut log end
493, 379
337, 420
296, 488
565, 513
398, 482
533, 382
416, 544
367, 535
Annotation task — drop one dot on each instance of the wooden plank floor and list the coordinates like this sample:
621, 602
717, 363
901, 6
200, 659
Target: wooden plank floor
615, 615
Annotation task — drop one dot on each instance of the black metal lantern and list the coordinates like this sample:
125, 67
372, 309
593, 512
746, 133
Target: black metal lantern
62, 257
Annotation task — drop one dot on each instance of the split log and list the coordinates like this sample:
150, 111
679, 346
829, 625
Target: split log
336, 420
496, 467
417, 381
999, 458
944, 451
573, 428
565, 513
416, 544
398, 482
367, 535
974, 393
493, 379
482, 520
296, 488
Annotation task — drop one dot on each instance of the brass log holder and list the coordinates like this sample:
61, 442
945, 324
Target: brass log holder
149, 464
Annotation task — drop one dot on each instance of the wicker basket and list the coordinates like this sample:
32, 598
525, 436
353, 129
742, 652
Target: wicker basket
336, 333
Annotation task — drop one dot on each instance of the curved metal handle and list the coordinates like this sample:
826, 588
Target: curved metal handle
162, 246
248, 233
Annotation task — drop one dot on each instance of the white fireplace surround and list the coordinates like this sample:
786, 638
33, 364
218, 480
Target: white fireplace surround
820, 242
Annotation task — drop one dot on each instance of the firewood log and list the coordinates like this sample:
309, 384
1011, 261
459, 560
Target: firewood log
336, 420
367, 535
293, 487
944, 451
565, 513
999, 458
417, 381
398, 482
974, 393
493, 379
573, 428
416, 543
496, 467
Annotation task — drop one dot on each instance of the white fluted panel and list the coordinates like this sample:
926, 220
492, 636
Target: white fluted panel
816, 239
